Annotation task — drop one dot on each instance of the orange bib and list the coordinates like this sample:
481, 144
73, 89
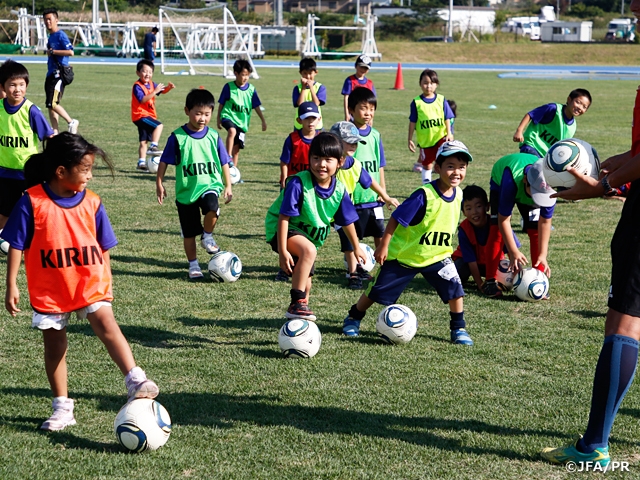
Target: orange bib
143, 110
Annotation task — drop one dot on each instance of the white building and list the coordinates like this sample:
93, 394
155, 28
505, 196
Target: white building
566, 31
478, 19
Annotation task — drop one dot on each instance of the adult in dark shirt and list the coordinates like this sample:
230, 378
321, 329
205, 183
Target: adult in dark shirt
150, 44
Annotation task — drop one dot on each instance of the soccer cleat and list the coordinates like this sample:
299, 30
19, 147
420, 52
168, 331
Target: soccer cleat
351, 327
300, 309
281, 276
417, 167
460, 336
154, 150
139, 386
62, 416
195, 273
142, 165
355, 282
490, 288
210, 245
570, 453
363, 274
73, 126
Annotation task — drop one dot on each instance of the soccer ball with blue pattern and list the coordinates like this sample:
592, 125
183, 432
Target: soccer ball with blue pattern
142, 424
397, 325
574, 153
234, 173
299, 338
531, 285
153, 163
225, 267
504, 278
368, 256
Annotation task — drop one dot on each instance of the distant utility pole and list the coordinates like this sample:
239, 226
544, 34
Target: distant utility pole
622, 7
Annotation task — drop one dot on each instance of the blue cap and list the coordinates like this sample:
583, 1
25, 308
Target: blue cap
308, 109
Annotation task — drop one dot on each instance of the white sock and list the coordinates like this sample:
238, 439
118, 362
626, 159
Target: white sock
134, 372
193, 263
153, 144
207, 235
141, 160
426, 176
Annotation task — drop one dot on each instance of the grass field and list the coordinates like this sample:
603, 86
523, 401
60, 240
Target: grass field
359, 409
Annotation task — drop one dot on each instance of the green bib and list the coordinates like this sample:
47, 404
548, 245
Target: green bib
431, 240
516, 162
369, 156
238, 107
316, 213
350, 178
198, 168
18, 141
306, 97
430, 127
542, 136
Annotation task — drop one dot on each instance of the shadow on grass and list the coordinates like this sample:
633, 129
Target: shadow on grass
149, 261
272, 324
588, 313
171, 233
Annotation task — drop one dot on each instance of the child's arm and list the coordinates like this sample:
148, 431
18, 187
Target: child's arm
412, 128
375, 186
228, 195
347, 116
350, 232
516, 257
519, 135
219, 120
314, 95
475, 273
260, 114
170, 86
284, 170
12, 295
157, 91
161, 192
383, 249
286, 260
544, 234
449, 136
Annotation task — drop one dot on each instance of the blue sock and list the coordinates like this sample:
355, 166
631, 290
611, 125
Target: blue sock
614, 375
457, 321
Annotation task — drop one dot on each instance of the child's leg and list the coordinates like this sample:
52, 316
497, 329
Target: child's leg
104, 325
426, 173
142, 149
190, 249
236, 154
210, 220
457, 323
351, 260
3, 221
55, 360
155, 136
299, 246
231, 137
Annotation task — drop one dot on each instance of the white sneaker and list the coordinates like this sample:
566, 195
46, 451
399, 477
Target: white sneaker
195, 273
210, 245
142, 165
73, 126
138, 386
62, 416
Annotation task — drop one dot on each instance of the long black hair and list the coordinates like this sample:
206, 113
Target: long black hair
66, 150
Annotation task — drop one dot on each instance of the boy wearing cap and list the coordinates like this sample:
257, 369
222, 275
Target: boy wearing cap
295, 151
517, 180
357, 80
419, 239
351, 174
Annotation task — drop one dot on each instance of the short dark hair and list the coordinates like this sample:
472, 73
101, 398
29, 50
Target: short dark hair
10, 70
47, 11
474, 191
433, 76
144, 62
199, 97
452, 105
155, 30
580, 92
326, 144
308, 64
242, 64
362, 95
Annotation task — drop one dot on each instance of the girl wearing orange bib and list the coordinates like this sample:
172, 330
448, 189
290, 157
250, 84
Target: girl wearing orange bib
65, 234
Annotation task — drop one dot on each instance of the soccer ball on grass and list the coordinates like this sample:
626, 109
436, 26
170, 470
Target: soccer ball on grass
299, 338
397, 325
142, 424
225, 267
531, 285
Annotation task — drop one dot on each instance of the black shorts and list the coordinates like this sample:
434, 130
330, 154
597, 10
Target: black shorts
366, 226
146, 127
624, 293
53, 90
291, 233
11, 191
240, 134
530, 213
189, 215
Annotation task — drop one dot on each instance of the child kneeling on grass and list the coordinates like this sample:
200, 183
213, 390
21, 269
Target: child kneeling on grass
418, 239
68, 269
299, 220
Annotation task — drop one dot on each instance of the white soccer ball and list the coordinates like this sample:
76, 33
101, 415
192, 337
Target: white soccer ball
4, 245
531, 285
397, 324
153, 163
504, 277
574, 153
299, 338
225, 267
234, 173
368, 255
142, 424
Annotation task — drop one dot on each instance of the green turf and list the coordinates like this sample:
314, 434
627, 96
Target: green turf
359, 409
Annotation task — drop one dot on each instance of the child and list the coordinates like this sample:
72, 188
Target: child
454, 109
470, 256
237, 99
418, 239
21, 120
143, 110
550, 123
308, 90
299, 220
359, 79
517, 180
430, 118
201, 163
57, 195
295, 151
351, 174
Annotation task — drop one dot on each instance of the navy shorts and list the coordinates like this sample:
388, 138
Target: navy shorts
291, 233
53, 90
530, 213
393, 277
367, 225
189, 215
146, 126
11, 190
240, 134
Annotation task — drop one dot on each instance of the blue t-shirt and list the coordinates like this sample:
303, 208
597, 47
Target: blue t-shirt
412, 211
287, 147
365, 178
546, 113
347, 88
149, 40
413, 116
293, 196
19, 228
508, 191
171, 152
322, 95
226, 94
58, 41
139, 93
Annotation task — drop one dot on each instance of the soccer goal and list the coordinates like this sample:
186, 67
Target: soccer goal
205, 41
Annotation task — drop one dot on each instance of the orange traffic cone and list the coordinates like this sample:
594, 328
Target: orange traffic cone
399, 80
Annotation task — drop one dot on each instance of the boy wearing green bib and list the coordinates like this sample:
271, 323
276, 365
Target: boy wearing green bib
202, 163
419, 239
548, 124
299, 221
